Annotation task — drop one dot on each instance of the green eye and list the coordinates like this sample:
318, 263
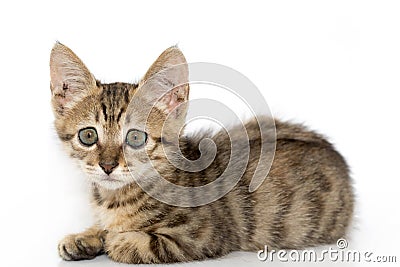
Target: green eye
88, 136
136, 138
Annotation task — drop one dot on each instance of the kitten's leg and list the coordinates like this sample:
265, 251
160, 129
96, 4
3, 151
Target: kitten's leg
141, 247
82, 246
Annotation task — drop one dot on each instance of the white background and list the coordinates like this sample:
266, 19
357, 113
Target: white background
334, 65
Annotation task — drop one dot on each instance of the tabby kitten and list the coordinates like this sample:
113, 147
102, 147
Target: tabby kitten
305, 200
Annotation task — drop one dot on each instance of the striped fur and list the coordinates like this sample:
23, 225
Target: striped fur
306, 200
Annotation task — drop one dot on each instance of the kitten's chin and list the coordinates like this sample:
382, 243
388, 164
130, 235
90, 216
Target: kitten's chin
110, 184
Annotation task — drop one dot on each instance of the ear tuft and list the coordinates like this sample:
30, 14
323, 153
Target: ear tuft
170, 57
70, 79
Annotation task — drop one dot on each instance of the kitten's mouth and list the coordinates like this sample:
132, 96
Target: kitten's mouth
109, 179
108, 182
106, 178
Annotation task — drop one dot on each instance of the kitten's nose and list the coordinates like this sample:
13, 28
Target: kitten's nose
108, 167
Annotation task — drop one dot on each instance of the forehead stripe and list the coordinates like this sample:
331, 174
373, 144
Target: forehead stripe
104, 111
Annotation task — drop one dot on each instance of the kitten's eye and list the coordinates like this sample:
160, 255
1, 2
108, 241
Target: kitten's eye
136, 138
88, 136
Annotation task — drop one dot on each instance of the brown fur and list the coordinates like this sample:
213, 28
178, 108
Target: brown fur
306, 200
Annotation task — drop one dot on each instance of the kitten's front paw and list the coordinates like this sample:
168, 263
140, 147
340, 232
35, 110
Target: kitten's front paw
80, 247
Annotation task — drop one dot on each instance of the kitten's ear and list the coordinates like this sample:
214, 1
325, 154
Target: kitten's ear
70, 79
170, 74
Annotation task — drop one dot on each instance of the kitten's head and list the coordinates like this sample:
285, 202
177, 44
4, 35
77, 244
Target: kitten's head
96, 122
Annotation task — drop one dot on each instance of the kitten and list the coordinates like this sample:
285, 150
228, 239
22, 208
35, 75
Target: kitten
305, 200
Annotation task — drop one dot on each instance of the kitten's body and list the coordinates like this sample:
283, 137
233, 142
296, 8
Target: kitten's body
305, 200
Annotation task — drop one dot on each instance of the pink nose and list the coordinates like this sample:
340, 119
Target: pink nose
108, 167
